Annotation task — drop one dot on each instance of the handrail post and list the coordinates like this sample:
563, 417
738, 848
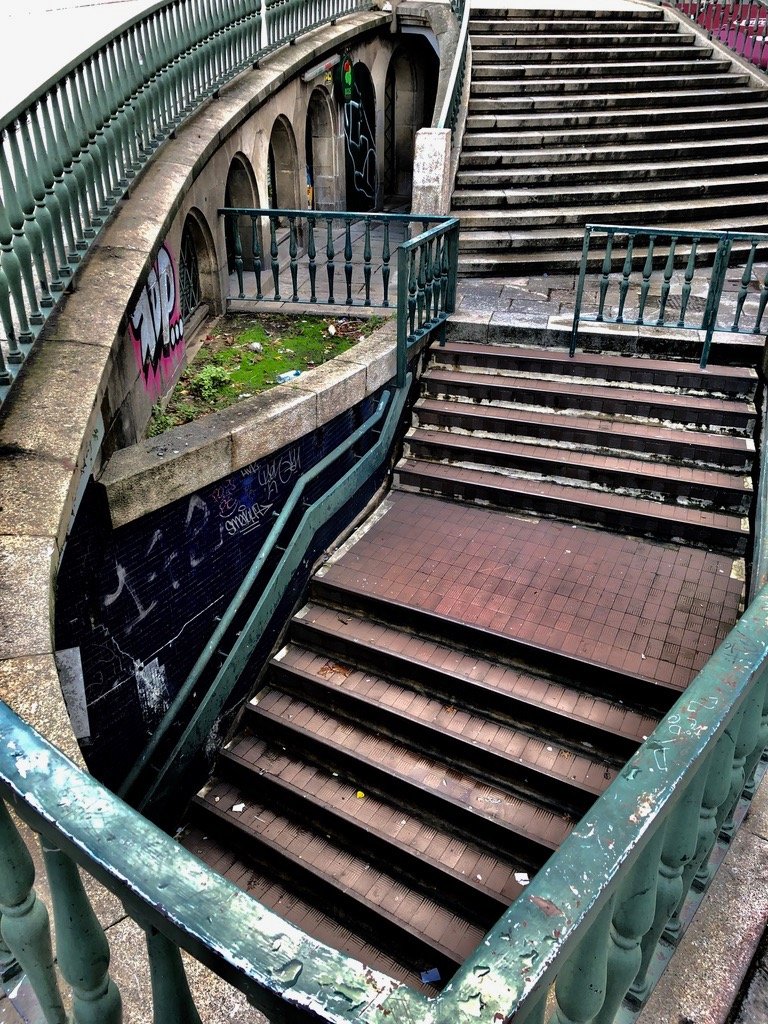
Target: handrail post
580, 288
716, 283
403, 271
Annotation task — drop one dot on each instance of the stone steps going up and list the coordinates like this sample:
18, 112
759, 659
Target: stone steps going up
655, 128
392, 791
651, 447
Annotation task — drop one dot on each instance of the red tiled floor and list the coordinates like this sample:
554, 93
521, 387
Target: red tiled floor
661, 607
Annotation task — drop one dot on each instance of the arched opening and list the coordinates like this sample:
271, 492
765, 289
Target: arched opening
240, 192
319, 143
198, 280
283, 167
360, 141
409, 101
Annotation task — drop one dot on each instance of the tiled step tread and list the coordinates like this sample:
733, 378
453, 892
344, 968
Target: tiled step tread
519, 750
375, 891
408, 836
633, 474
468, 671
540, 825
652, 404
293, 908
674, 442
603, 366
563, 497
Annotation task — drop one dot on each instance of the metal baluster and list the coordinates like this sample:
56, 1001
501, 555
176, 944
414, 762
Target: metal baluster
293, 248
348, 258
133, 59
385, 270
329, 255
257, 23
690, 270
39, 227
78, 172
581, 985
24, 924
760, 746
41, 156
82, 950
257, 252
412, 289
421, 279
101, 93
6, 318
311, 253
97, 144
234, 220
605, 275
646, 283
746, 743
681, 833
367, 261
125, 115
188, 61
69, 216
746, 277
669, 268
21, 244
89, 161
273, 254
171, 999
625, 276
635, 910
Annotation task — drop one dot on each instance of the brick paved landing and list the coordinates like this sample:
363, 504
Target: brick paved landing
656, 611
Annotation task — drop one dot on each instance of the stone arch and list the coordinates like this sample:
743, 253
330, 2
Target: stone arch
408, 105
360, 142
240, 192
320, 144
198, 277
283, 166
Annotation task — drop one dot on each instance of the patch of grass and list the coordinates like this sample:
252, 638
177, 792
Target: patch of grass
246, 354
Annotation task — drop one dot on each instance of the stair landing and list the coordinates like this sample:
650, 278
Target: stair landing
657, 611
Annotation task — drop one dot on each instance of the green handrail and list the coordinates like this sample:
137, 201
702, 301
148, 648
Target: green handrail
70, 150
666, 249
449, 111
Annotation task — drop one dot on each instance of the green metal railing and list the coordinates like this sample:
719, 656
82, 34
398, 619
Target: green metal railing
71, 149
589, 923
299, 256
449, 112
649, 277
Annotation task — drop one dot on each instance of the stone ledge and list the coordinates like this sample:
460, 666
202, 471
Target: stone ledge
148, 475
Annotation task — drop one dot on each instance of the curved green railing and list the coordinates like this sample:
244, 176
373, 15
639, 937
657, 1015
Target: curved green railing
449, 112
70, 150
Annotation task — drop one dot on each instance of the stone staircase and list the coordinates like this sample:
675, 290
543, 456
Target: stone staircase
391, 791
606, 117
652, 447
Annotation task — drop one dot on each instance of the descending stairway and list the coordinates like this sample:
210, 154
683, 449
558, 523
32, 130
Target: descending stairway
392, 791
646, 446
606, 117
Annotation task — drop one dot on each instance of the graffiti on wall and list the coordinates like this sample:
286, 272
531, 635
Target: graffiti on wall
155, 325
360, 142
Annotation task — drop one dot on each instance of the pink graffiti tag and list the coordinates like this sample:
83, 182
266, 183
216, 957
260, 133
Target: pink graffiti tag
155, 325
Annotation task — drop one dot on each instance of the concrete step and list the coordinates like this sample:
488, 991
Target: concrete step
505, 70
596, 16
570, 160
546, 177
612, 189
663, 443
520, 80
488, 97
666, 50
736, 382
497, 225
550, 134
576, 396
638, 516
710, 489
614, 31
